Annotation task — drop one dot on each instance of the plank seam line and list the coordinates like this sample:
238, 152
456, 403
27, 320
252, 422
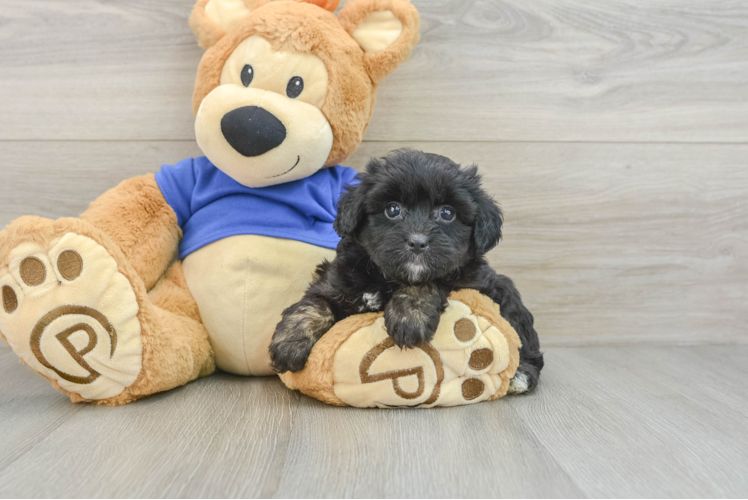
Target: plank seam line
282, 461
641, 343
58, 423
547, 450
422, 141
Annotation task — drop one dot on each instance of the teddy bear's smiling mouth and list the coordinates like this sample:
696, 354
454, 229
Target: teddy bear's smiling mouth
298, 159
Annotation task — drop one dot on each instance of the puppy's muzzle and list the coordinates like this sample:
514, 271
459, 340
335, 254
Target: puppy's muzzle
252, 131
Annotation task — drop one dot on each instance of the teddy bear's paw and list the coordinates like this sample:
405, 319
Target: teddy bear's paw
71, 316
469, 360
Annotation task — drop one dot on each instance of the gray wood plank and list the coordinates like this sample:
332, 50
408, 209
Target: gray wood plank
29, 408
60, 178
472, 451
125, 68
549, 70
609, 243
637, 421
224, 436
622, 427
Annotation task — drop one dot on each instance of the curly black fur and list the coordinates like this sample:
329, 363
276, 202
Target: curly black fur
408, 264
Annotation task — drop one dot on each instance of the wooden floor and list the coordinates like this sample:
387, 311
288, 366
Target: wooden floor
613, 133
606, 422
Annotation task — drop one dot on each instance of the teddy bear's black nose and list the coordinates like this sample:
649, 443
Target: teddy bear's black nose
252, 131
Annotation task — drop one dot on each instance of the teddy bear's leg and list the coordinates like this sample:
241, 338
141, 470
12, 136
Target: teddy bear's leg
176, 349
75, 310
140, 223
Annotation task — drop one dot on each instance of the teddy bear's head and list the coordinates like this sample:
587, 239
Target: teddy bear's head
285, 87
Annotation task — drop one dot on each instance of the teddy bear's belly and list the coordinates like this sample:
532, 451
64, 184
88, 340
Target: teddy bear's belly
242, 284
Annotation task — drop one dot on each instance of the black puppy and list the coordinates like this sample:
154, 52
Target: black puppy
415, 229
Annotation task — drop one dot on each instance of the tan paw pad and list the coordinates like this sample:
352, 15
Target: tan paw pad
10, 299
70, 264
29, 266
32, 271
465, 330
480, 359
472, 388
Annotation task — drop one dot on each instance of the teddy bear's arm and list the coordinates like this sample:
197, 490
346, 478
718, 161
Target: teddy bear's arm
137, 217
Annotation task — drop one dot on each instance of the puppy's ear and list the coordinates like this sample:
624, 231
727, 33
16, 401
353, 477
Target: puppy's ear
488, 221
351, 211
211, 19
488, 217
387, 31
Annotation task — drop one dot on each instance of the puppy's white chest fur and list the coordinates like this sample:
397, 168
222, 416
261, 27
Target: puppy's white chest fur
370, 302
415, 271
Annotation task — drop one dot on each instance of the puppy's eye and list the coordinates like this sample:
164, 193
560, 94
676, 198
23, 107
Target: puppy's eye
247, 75
447, 214
392, 211
295, 87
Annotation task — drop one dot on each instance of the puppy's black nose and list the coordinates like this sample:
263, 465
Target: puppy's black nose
252, 131
418, 243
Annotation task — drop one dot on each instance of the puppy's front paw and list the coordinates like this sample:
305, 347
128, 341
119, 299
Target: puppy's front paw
410, 329
301, 326
412, 315
290, 355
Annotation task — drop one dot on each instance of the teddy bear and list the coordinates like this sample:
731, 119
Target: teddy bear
168, 276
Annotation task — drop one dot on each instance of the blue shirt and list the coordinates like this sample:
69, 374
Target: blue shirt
211, 206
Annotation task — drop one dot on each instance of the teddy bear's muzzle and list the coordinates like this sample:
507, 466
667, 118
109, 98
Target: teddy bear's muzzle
252, 130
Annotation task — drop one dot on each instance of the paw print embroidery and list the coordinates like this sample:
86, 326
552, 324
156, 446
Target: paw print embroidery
467, 361
397, 375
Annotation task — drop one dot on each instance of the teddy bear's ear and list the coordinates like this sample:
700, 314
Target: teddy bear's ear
387, 31
211, 19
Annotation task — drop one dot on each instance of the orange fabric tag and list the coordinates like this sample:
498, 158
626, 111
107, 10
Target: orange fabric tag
330, 5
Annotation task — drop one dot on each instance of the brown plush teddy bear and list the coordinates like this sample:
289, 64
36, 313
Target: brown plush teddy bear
284, 92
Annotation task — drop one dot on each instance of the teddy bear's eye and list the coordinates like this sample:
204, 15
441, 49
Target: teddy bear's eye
248, 74
295, 87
